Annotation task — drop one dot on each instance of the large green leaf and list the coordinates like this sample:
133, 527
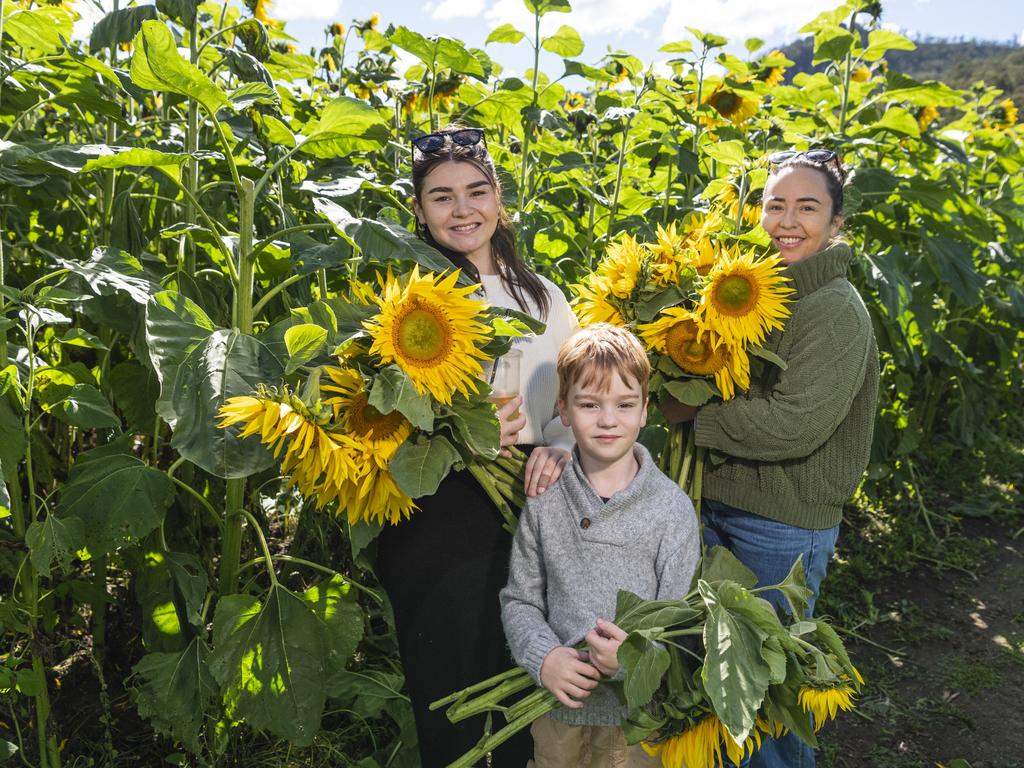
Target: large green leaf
83, 405
175, 325
393, 390
125, 157
335, 605
565, 42
226, 364
952, 263
437, 52
633, 613
54, 538
735, 675
135, 389
175, 692
541, 7
157, 65
39, 29
477, 425
506, 33
117, 496
183, 11
110, 271
171, 589
119, 27
12, 439
271, 662
381, 241
344, 126
419, 467
882, 40
644, 662
794, 589
303, 341
723, 565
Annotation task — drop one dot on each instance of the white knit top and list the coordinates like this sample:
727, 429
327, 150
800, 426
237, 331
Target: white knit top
537, 370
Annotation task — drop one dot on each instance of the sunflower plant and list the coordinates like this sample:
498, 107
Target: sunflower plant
707, 676
703, 303
398, 401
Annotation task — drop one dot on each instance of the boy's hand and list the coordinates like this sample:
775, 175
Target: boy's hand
511, 427
604, 641
568, 676
544, 466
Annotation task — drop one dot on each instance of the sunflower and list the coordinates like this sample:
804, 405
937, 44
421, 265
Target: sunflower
375, 496
1005, 114
261, 10
337, 29
574, 101
698, 351
701, 225
729, 199
592, 303
861, 74
735, 106
826, 701
430, 329
926, 116
621, 266
744, 299
314, 459
666, 256
701, 255
380, 433
702, 746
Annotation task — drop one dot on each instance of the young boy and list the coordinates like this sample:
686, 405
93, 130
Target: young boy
611, 521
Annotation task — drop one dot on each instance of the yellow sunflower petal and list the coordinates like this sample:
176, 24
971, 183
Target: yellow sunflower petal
744, 299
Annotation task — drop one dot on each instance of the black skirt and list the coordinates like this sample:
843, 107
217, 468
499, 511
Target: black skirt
443, 569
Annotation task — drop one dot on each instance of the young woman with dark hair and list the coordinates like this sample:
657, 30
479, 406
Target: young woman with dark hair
443, 568
796, 444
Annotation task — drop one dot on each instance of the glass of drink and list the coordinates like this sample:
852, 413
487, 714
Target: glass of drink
504, 379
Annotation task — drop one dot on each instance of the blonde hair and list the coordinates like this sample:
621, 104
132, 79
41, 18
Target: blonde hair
593, 353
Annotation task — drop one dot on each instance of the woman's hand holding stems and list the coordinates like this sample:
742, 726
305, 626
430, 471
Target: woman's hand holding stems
545, 464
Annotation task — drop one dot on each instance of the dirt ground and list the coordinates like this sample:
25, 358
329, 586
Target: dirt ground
943, 657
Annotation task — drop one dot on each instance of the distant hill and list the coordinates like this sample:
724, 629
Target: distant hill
958, 63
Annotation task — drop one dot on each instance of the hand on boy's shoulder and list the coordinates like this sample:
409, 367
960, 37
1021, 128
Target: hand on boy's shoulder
543, 468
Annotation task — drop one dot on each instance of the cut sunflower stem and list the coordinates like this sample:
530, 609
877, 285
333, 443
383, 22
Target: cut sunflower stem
483, 685
490, 701
491, 742
487, 483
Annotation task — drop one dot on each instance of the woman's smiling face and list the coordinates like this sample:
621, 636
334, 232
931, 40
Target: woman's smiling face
459, 205
797, 212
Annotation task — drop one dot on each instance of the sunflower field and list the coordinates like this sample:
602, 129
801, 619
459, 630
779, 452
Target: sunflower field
184, 197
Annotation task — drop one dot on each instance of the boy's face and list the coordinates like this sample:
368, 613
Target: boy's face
605, 417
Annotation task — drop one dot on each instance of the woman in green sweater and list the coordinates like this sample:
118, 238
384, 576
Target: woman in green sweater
795, 446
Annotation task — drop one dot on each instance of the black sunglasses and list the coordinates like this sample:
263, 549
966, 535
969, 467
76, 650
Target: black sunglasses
821, 156
464, 137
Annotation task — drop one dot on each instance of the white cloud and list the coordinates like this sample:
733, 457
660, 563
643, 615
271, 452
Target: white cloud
291, 10
741, 19
455, 9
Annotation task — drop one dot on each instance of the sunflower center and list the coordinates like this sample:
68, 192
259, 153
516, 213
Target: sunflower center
369, 423
422, 335
690, 350
735, 295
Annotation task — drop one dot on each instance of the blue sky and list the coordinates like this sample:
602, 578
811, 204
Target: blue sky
641, 27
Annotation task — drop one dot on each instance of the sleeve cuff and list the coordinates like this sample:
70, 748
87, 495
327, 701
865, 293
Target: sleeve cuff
536, 652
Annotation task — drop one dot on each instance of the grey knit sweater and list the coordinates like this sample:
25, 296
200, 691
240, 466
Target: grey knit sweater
572, 554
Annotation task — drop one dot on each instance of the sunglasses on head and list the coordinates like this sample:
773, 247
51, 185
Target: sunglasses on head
464, 137
821, 156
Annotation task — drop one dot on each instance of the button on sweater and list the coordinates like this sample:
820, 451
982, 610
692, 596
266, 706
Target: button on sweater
796, 444
571, 555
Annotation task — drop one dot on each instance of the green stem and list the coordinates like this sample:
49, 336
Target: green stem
200, 498
273, 291
684, 471
317, 567
486, 482
696, 487
483, 685
267, 558
527, 129
847, 76
613, 210
288, 231
495, 740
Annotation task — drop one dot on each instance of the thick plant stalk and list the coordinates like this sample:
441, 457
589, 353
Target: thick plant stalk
231, 544
491, 692
502, 481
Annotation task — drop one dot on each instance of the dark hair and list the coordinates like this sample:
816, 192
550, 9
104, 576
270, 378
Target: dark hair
517, 278
831, 170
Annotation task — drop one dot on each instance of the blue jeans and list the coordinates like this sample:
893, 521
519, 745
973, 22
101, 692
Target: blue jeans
769, 548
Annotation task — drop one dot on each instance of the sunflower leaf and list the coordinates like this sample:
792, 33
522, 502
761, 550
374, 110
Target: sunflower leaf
690, 392
419, 466
644, 663
175, 690
393, 390
764, 354
271, 662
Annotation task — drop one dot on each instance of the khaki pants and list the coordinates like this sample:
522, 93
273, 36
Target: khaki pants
557, 745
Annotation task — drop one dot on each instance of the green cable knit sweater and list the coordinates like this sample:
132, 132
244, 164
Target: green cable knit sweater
796, 444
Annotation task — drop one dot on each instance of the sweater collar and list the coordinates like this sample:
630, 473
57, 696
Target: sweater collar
815, 271
585, 500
